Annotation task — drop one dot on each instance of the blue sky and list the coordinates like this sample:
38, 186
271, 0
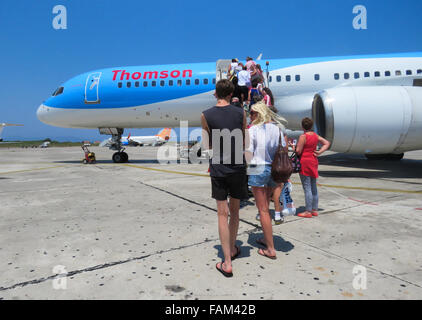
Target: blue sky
35, 58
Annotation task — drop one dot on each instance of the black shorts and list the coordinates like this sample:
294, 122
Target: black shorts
245, 91
233, 185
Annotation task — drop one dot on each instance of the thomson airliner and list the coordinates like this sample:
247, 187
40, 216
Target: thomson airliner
369, 104
158, 140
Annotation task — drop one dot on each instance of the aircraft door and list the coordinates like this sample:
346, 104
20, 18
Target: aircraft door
92, 87
221, 69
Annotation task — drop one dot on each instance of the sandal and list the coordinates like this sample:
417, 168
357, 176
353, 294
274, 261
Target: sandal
266, 255
226, 274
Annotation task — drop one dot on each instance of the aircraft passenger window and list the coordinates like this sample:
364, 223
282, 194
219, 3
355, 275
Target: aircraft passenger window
271, 79
162, 83
288, 78
145, 83
170, 83
377, 74
278, 78
179, 83
154, 83
128, 84
205, 81
419, 71
387, 73
336, 76
409, 72
398, 73
188, 82
196, 81
367, 74
119, 85
297, 77
316, 77
137, 84
346, 76
357, 75
213, 81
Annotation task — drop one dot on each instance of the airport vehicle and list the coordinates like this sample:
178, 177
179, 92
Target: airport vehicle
45, 144
2, 125
89, 156
159, 139
369, 104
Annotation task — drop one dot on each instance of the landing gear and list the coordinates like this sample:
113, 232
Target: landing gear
120, 157
115, 143
388, 157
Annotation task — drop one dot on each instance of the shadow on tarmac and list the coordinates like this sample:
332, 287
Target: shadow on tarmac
406, 168
280, 245
144, 161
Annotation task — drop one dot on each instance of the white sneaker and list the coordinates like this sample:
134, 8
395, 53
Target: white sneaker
279, 221
289, 212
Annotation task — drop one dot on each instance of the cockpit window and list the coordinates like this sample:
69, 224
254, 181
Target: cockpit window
58, 91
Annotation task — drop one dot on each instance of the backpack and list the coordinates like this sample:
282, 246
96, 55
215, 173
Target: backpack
281, 168
255, 96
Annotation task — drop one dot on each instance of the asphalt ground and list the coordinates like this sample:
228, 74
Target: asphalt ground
144, 230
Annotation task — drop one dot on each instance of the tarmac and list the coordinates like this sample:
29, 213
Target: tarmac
144, 230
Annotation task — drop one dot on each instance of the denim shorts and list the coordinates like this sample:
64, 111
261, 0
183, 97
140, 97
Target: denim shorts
262, 178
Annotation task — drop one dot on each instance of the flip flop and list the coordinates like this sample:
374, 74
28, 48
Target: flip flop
261, 242
226, 274
237, 253
266, 255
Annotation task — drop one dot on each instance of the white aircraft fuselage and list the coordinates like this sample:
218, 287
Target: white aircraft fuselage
362, 104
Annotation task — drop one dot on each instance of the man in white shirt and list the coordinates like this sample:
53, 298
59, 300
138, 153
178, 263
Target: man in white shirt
244, 82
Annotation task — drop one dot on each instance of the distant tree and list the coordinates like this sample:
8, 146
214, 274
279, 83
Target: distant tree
48, 139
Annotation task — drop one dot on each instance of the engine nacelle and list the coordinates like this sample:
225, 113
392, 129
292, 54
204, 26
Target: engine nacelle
371, 120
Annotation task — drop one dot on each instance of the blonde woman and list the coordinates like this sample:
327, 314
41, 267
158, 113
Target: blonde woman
262, 142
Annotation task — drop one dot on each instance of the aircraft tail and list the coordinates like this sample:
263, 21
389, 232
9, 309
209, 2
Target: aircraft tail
165, 134
2, 125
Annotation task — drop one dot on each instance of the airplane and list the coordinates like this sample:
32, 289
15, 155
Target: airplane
367, 104
2, 125
45, 144
159, 139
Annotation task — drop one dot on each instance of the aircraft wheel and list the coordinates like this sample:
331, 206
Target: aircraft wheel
117, 157
125, 157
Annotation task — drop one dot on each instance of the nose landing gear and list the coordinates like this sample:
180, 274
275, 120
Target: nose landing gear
115, 143
120, 157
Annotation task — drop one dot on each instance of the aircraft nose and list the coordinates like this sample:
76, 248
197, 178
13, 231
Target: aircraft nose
42, 113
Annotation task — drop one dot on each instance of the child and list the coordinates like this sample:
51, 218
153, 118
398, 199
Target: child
285, 198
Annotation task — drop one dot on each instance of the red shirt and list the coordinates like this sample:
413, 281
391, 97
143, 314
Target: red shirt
308, 160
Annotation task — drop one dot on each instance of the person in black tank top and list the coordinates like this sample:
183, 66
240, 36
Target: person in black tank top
224, 132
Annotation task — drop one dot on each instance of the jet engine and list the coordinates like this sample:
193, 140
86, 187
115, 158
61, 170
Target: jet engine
370, 120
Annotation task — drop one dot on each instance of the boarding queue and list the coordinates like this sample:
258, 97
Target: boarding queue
261, 162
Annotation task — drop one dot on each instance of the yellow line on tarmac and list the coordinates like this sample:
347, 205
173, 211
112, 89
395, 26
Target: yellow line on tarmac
297, 183
28, 170
371, 189
169, 171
